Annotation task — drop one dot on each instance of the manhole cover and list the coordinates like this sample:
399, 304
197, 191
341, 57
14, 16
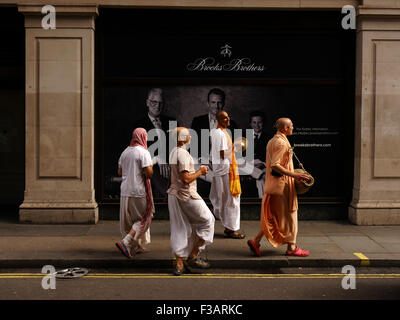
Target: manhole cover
71, 273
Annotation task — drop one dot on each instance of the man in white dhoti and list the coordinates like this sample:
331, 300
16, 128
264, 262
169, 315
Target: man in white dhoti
136, 202
192, 223
225, 187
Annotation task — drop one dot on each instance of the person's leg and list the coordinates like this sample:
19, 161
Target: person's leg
231, 212
198, 242
125, 226
129, 237
181, 244
292, 227
258, 238
134, 240
254, 244
179, 262
194, 260
179, 266
292, 248
202, 222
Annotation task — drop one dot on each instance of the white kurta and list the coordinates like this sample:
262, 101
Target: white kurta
133, 194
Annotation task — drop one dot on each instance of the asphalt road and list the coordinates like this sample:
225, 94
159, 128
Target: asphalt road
279, 284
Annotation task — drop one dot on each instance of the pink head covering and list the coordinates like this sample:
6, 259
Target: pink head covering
139, 138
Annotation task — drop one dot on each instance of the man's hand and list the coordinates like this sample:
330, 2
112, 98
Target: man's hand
203, 170
301, 177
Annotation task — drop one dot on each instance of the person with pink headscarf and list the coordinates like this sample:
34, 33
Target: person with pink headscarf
136, 201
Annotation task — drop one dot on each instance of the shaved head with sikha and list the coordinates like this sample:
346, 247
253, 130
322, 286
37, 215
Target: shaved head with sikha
285, 126
181, 134
221, 114
281, 123
223, 119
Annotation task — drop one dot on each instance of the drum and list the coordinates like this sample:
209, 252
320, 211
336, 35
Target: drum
303, 187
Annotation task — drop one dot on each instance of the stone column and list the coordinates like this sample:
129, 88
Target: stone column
59, 103
376, 193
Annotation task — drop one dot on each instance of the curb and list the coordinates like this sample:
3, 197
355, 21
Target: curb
216, 264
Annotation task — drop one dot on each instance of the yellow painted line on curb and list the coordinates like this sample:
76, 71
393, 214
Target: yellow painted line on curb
364, 259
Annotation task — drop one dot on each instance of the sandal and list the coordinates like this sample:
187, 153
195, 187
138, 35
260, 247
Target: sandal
124, 249
198, 263
233, 235
255, 249
179, 271
298, 252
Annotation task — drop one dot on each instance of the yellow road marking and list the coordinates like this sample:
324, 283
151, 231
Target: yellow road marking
364, 259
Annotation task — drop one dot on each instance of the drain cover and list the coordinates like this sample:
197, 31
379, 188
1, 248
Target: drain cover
71, 273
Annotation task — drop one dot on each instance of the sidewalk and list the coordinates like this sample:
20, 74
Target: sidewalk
331, 244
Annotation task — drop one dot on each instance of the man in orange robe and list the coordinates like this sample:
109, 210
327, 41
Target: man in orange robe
279, 204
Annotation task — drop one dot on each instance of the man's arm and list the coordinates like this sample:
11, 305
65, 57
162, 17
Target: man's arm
148, 172
120, 172
279, 150
298, 176
221, 142
187, 177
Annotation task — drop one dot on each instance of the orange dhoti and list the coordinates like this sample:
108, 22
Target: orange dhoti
278, 216
278, 222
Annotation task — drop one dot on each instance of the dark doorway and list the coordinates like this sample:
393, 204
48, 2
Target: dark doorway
12, 104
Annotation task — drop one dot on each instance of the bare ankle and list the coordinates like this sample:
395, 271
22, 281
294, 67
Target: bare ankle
193, 256
179, 262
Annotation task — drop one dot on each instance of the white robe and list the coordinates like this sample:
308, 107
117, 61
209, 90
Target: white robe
187, 219
225, 205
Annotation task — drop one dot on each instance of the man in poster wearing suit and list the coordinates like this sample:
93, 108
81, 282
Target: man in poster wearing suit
156, 120
215, 103
257, 119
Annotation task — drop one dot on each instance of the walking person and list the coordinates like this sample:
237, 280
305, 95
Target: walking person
136, 201
278, 219
192, 223
225, 186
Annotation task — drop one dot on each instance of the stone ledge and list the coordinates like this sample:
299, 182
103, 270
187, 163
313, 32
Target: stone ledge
375, 204
374, 216
76, 9
53, 204
59, 216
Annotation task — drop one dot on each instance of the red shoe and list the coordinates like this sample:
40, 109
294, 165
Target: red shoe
254, 248
298, 252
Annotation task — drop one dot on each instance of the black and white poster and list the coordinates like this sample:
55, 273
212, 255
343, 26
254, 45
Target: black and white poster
262, 74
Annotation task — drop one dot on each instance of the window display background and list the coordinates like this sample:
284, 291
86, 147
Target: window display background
308, 76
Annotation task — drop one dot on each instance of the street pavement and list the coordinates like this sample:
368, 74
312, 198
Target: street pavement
331, 244
240, 285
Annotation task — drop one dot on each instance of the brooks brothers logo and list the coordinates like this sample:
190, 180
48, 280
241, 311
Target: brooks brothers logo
234, 65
